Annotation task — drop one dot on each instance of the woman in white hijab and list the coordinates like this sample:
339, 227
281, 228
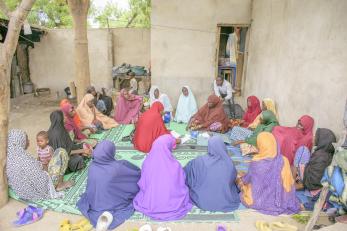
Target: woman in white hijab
155, 96
186, 106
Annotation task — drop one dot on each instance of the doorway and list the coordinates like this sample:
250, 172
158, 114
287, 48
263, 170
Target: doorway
231, 53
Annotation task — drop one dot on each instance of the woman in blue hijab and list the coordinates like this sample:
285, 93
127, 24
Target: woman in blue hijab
111, 186
211, 179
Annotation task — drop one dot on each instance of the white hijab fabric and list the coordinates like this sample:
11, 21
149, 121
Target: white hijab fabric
186, 107
163, 98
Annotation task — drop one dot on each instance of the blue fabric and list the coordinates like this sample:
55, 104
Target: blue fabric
240, 133
111, 186
211, 179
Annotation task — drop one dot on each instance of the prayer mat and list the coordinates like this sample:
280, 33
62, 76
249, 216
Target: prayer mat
125, 151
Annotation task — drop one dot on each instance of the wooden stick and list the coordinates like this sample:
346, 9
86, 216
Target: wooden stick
317, 209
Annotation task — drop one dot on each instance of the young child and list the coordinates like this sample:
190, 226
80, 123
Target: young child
44, 151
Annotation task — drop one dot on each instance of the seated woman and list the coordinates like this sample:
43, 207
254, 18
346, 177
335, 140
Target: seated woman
242, 131
268, 187
211, 179
163, 194
267, 122
267, 104
25, 174
291, 138
111, 186
320, 159
73, 130
60, 138
335, 177
155, 96
128, 107
210, 117
186, 106
76, 118
149, 127
91, 117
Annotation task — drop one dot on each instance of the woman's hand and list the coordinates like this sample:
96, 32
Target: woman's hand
238, 142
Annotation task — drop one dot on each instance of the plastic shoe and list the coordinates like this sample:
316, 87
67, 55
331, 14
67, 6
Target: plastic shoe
28, 215
104, 221
146, 227
65, 225
221, 228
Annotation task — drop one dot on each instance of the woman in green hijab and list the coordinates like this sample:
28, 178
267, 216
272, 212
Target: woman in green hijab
268, 121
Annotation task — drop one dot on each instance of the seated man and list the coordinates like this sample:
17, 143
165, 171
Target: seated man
223, 89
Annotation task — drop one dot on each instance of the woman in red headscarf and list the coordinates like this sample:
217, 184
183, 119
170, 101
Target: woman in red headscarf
76, 118
253, 110
149, 127
291, 138
211, 116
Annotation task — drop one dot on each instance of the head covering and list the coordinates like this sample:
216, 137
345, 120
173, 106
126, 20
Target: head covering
163, 98
70, 124
205, 191
291, 138
87, 115
58, 136
111, 186
269, 121
186, 107
90, 89
127, 110
24, 173
320, 159
207, 116
76, 118
271, 106
269, 185
149, 127
163, 193
253, 110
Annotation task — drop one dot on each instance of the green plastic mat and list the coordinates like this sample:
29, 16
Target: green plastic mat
72, 195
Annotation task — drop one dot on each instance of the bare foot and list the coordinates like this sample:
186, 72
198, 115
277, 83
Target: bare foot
64, 185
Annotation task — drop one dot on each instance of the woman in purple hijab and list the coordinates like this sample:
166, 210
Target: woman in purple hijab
111, 186
163, 194
211, 179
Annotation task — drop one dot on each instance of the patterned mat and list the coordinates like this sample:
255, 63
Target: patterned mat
124, 151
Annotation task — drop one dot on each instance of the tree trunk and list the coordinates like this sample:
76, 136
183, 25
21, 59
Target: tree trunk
23, 62
14, 27
79, 11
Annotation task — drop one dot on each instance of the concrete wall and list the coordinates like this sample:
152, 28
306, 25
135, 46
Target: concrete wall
52, 59
183, 42
297, 56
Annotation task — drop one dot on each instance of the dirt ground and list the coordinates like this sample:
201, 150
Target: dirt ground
32, 115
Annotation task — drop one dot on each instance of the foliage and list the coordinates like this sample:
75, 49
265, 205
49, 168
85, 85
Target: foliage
138, 15
48, 13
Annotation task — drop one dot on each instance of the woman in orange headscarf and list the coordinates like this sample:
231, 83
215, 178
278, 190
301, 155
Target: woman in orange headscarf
211, 116
149, 127
269, 186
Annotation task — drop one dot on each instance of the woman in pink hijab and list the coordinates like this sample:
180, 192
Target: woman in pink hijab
291, 138
163, 193
128, 107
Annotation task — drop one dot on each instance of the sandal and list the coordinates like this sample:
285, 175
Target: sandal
146, 227
221, 228
104, 221
82, 225
28, 215
65, 225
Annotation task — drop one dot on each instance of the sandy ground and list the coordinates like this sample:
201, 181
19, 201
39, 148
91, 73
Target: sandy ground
32, 115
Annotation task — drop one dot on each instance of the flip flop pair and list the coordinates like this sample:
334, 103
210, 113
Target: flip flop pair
28, 215
274, 226
81, 225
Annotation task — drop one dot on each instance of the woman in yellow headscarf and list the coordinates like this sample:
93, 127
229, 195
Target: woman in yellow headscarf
267, 104
269, 186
